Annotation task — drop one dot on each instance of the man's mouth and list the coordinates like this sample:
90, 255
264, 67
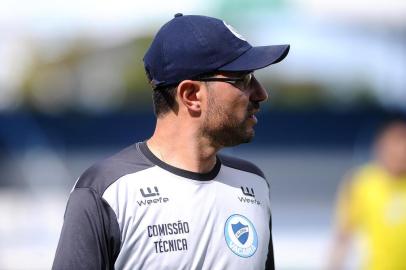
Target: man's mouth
252, 116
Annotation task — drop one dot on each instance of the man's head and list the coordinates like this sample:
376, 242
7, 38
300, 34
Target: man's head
391, 147
230, 113
202, 68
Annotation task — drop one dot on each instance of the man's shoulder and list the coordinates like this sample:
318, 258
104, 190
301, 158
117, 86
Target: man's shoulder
241, 164
104, 173
370, 175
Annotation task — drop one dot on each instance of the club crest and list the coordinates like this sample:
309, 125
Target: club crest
241, 232
241, 236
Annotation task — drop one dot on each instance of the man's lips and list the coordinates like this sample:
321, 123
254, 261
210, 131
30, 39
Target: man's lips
251, 115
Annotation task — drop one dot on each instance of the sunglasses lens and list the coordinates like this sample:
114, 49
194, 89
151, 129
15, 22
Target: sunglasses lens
247, 80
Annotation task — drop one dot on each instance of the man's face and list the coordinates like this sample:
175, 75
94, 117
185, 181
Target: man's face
229, 118
392, 148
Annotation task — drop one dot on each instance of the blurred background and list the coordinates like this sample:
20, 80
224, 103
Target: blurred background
73, 91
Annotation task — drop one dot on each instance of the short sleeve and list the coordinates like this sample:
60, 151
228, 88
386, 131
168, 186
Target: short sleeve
90, 236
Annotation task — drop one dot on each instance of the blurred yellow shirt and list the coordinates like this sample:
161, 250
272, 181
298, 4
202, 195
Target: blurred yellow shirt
374, 203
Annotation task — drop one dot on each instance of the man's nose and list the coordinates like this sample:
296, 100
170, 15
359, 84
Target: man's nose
258, 93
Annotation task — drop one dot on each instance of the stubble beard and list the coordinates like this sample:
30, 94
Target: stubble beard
223, 129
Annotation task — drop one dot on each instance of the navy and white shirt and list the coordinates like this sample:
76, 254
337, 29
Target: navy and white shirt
133, 211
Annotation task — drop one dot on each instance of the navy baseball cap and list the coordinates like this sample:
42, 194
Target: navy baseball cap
192, 45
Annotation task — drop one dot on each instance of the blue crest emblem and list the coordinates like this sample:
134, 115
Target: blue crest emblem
241, 236
241, 232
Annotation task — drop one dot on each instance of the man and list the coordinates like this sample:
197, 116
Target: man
373, 203
172, 202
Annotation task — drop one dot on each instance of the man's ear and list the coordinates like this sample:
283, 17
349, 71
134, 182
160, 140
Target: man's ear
190, 95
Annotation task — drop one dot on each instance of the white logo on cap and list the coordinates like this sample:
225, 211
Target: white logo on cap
232, 30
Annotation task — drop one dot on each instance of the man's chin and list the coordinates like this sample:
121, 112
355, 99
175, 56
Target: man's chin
234, 137
250, 137
247, 138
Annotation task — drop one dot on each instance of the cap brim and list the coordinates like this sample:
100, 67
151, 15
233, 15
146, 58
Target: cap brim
257, 58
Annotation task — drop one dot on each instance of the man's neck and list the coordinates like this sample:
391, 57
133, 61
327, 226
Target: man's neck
183, 148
